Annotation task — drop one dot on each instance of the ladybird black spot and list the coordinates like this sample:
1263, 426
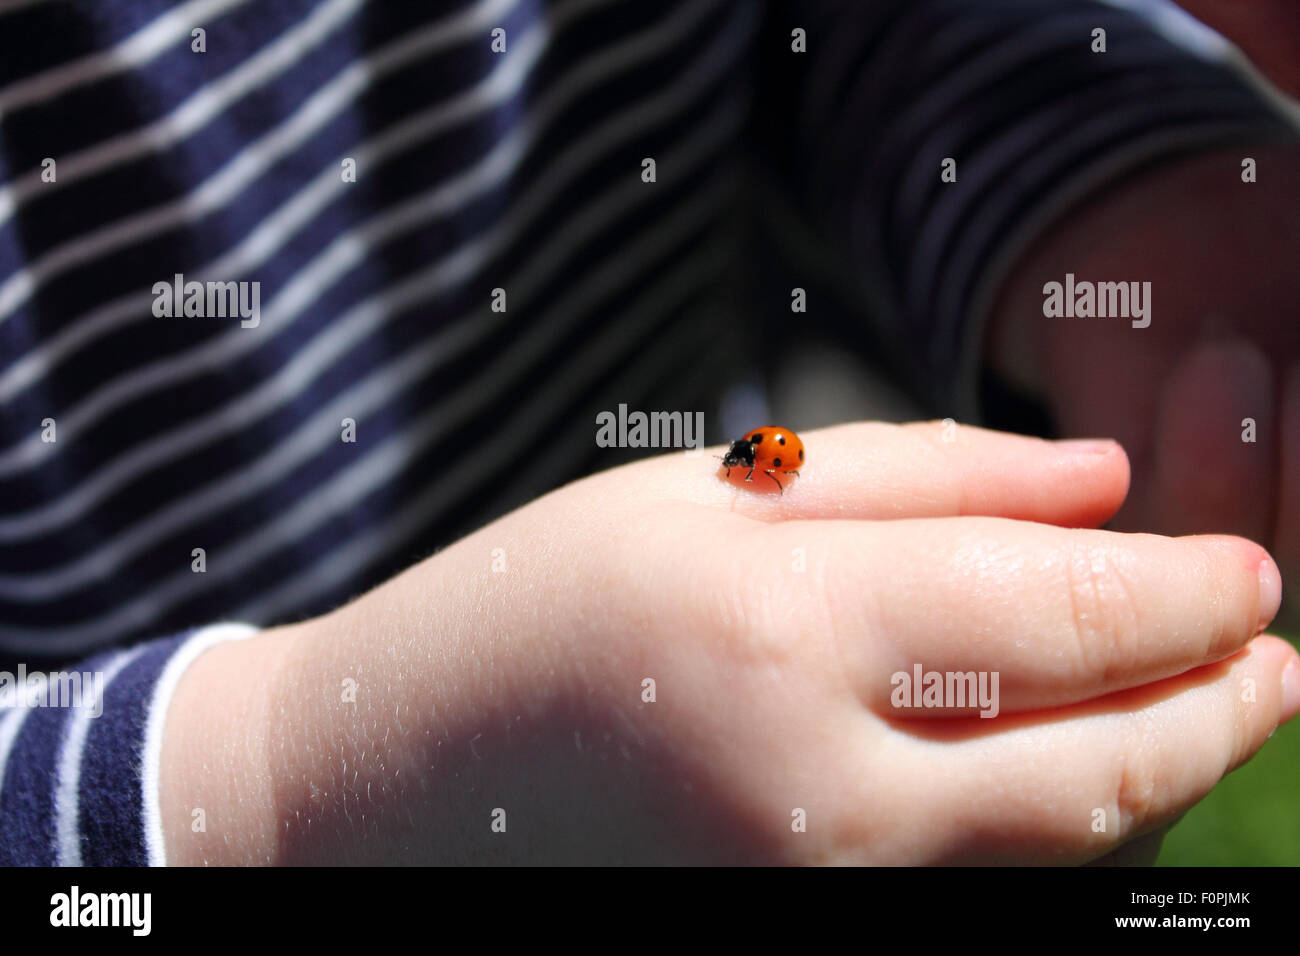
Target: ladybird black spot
776, 462
801, 454
780, 439
756, 439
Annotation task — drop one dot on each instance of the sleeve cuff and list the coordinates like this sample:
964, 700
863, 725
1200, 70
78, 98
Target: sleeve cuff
1033, 119
79, 784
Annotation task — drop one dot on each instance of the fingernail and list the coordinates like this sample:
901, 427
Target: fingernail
1270, 592
1087, 446
1291, 689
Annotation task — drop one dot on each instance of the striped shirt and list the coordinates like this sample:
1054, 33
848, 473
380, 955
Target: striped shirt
447, 220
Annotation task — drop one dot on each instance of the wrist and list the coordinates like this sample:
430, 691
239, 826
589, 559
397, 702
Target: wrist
391, 729
404, 719
215, 779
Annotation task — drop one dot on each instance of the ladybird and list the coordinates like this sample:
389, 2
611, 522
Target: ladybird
769, 450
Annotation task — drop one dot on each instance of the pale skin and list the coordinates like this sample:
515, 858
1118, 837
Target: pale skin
1224, 341
1133, 672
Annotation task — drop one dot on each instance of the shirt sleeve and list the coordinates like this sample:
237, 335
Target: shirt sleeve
79, 754
1035, 116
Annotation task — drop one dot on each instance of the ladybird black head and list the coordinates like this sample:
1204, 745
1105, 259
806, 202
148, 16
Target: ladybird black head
741, 452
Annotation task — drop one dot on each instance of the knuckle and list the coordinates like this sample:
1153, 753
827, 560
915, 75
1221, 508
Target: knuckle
1103, 615
778, 610
1137, 786
932, 445
1242, 735
933, 430
725, 609
929, 442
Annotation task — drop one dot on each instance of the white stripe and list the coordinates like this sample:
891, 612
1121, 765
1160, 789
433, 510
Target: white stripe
136, 50
275, 231
1195, 36
310, 436
346, 251
222, 187
488, 459
10, 724
188, 117
500, 85
150, 778
67, 792
342, 490
1178, 27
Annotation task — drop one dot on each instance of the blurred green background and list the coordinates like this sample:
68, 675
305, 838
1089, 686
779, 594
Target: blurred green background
1253, 816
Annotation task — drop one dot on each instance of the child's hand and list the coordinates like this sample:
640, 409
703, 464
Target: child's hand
516, 699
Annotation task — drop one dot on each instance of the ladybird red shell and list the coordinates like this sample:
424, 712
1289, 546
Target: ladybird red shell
770, 451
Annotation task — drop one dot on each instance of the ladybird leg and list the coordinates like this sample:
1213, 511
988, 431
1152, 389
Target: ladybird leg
750, 476
772, 475
795, 473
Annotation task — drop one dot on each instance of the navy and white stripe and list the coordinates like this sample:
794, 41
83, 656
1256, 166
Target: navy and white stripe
1013, 91
97, 804
476, 170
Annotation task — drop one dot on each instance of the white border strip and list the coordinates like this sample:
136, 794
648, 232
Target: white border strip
185, 655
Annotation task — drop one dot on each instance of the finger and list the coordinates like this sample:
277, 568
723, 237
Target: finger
927, 469
1073, 787
1055, 615
1207, 476
1286, 535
